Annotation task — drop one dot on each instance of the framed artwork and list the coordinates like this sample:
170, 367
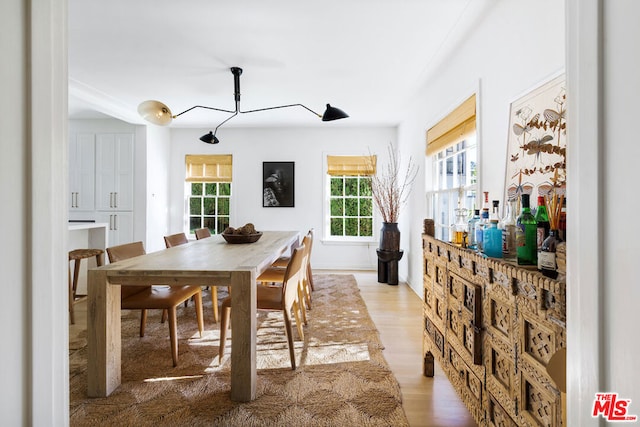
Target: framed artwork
278, 184
536, 151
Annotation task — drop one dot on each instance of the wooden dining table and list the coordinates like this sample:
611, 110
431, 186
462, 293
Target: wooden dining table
211, 262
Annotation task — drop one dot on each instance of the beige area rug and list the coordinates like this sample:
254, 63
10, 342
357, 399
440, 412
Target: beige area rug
342, 378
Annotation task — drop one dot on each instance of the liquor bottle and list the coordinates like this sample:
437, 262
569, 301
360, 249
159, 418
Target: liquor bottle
471, 229
495, 210
460, 228
542, 223
492, 240
480, 227
562, 222
547, 255
526, 234
509, 232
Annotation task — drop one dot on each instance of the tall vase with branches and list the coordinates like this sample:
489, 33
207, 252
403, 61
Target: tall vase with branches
390, 188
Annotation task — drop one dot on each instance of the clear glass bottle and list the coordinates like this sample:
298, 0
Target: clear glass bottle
471, 229
547, 255
542, 223
495, 210
460, 228
493, 240
526, 235
509, 232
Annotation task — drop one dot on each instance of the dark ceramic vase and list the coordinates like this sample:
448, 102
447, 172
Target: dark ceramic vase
389, 237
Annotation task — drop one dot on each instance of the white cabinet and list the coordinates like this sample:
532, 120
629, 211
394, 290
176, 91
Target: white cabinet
82, 172
114, 171
120, 228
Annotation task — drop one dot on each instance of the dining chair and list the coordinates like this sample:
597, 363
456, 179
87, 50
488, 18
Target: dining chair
180, 239
274, 298
175, 240
155, 297
284, 260
202, 233
275, 273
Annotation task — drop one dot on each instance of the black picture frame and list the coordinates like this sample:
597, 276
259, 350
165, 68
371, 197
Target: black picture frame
278, 184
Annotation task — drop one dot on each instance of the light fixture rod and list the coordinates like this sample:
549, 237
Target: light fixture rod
237, 71
158, 113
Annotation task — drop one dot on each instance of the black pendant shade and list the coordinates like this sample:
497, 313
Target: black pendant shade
333, 113
158, 113
209, 138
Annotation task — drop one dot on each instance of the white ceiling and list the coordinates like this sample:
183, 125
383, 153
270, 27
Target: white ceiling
367, 57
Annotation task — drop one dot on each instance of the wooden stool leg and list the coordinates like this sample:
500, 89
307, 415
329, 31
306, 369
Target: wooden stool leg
76, 274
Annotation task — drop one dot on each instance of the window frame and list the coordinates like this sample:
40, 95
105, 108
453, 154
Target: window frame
326, 213
203, 197
453, 190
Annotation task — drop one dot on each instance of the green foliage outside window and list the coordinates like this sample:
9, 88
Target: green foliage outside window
351, 206
209, 206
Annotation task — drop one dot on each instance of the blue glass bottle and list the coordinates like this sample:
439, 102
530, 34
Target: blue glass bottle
492, 238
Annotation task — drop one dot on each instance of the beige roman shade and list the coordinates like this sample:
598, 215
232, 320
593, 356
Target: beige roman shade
208, 167
456, 127
351, 165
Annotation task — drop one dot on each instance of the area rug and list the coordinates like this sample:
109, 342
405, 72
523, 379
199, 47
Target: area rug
342, 378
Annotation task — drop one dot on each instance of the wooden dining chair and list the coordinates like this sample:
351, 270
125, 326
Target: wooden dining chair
175, 240
274, 298
202, 233
153, 297
275, 273
180, 239
284, 260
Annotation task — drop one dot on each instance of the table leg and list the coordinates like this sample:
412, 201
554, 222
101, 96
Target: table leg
104, 339
243, 341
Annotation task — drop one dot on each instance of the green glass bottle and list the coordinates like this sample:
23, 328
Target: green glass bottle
526, 235
542, 221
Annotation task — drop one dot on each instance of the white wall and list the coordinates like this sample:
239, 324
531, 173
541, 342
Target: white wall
307, 147
14, 396
34, 364
602, 252
158, 147
500, 59
619, 153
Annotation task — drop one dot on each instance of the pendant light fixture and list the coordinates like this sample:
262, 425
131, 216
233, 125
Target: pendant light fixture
158, 113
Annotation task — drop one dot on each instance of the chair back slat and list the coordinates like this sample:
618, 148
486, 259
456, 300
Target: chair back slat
202, 233
126, 251
175, 240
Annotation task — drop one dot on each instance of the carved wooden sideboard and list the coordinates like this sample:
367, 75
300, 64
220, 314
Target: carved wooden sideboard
493, 327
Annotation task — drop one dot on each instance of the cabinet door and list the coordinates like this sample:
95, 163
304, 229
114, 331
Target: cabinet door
114, 172
82, 172
120, 228
124, 172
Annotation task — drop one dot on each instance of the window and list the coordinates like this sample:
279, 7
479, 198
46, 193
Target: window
208, 184
209, 206
350, 207
451, 144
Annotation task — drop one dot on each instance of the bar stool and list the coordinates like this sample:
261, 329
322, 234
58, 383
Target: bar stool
77, 255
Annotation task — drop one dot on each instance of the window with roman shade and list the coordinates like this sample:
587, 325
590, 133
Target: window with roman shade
452, 148
208, 182
208, 167
350, 208
457, 126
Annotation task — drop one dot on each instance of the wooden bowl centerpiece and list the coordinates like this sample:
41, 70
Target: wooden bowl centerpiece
245, 234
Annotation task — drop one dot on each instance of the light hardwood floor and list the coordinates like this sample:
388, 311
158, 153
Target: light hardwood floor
397, 313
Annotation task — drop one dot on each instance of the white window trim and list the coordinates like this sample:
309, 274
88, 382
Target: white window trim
327, 238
